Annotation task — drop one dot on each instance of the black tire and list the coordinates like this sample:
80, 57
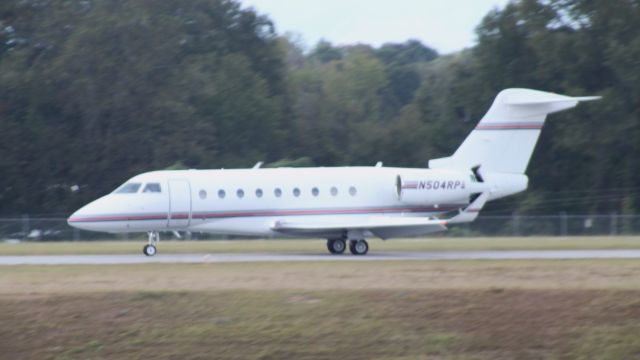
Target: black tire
149, 250
359, 247
336, 246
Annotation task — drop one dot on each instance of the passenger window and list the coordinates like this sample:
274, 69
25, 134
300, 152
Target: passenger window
240, 193
353, 191
203, 194
151, 188
296, 192
259, 193
221, 194
334, 191
128, 188
277, 192
315, 191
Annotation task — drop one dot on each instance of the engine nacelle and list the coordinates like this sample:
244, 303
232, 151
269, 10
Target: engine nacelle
439, 188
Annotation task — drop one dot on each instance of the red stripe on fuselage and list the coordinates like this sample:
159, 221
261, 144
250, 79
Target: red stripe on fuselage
119, 218
264, 213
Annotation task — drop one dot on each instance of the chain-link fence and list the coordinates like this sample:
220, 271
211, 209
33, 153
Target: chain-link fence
34, 228
550, 225
30, 228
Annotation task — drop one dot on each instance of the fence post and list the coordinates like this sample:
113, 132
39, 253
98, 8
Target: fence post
563, 223
25, 225
613, 224
516, 225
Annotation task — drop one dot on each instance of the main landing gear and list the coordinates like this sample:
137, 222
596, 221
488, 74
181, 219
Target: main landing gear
357, 247
150, 248
336, 246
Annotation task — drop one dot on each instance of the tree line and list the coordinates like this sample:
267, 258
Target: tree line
94, 92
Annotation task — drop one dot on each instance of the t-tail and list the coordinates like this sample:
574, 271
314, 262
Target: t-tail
504, 140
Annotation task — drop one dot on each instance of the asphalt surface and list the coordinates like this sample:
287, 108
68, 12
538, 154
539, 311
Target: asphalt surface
271, 257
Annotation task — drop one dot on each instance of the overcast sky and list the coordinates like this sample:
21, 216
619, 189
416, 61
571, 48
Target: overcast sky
445, 25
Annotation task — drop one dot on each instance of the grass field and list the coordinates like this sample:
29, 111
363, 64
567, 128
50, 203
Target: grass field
579, 309
428, 244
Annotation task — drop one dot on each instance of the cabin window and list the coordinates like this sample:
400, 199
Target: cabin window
259, 193
353, 191
240, 193
202, 194
315, 191
221, 194
128, 188
277, 192
334, 191
151, 188
296, 192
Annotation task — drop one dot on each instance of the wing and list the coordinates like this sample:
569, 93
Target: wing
381, 226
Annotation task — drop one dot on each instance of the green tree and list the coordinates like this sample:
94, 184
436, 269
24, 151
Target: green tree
95, 92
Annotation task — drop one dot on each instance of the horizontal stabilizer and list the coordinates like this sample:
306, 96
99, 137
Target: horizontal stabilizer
558, 99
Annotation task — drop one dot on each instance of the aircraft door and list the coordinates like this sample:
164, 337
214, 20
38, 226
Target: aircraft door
179, 204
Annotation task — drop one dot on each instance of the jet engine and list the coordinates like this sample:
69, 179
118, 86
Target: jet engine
439, 189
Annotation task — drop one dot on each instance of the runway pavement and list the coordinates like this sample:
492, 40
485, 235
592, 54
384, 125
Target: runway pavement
273, 257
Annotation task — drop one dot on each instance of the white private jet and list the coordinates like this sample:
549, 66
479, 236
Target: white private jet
343, 203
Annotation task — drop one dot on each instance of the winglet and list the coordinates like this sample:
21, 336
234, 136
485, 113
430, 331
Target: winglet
471, 212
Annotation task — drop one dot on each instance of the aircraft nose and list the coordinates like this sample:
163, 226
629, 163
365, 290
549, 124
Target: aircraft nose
88, 217
76, 219
104, 214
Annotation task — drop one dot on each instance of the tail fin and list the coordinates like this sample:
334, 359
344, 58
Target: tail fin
504, 139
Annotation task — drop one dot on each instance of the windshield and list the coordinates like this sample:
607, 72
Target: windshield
128, 188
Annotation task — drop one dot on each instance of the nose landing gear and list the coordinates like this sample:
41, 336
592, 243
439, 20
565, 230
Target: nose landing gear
150, 248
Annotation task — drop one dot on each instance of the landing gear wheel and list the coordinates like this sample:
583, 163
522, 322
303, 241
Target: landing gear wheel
336, 246
149, 250
358, 247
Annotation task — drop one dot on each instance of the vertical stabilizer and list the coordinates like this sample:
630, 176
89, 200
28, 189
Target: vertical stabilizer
504, 139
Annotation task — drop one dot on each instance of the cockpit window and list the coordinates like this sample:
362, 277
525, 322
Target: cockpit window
152, 188
128, 188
